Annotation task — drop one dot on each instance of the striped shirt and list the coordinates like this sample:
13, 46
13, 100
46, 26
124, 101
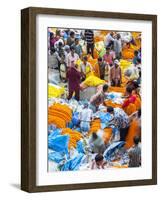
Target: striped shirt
89, 35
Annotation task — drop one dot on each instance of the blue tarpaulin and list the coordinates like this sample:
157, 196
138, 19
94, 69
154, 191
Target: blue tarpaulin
111, 149
73, 164
80, 147
56, 156
59, 143
75, 118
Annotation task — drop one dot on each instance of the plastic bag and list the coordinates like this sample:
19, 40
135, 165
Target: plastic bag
56, 157
73, 164
105, 117
75, 119
85, 126
80, 147
59, 143
54, 133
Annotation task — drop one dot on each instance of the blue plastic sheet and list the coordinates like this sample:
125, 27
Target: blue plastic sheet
56, 156
113, 95
73, 164
85, 126
111, 149
59, 143
105, 117
54, 133
80, 147
70, 125
75, 119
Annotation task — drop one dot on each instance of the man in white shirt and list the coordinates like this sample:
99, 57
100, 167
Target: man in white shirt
72, 57
109, 39
85, 118
118, 46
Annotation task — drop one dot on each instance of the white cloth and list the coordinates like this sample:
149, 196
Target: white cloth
86, 114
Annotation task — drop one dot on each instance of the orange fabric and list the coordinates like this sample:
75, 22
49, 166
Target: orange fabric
127, 52
95, 54
131, 108
59, 115
107, 135
117, 89
75, 136
114, 105
96, 70
138, 103
133, 131
95, 126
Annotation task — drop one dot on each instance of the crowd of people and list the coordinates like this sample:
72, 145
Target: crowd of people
74, 55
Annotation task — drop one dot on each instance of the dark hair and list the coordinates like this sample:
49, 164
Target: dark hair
118, 35
135, 53
51, 34
135, 84
60, 44
107, 48
139, 113
72, 48
94, 135
72, 33
105, 87
85, 58
136, 139
129, 89
138, 60
110, 109
76, 39
98, 157
53, 50
140, 73
99, 59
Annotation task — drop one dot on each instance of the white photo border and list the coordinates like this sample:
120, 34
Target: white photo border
43, 177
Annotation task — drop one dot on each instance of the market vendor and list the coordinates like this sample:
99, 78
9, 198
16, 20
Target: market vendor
135, 153
72, 57
120, 120
85, 67
130, 97
85, 118
100, 68
78, 47
118, 46
73, 77
98, 98
116, 74
109, 56
89, 37
109, 40
98, 162
71, 39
